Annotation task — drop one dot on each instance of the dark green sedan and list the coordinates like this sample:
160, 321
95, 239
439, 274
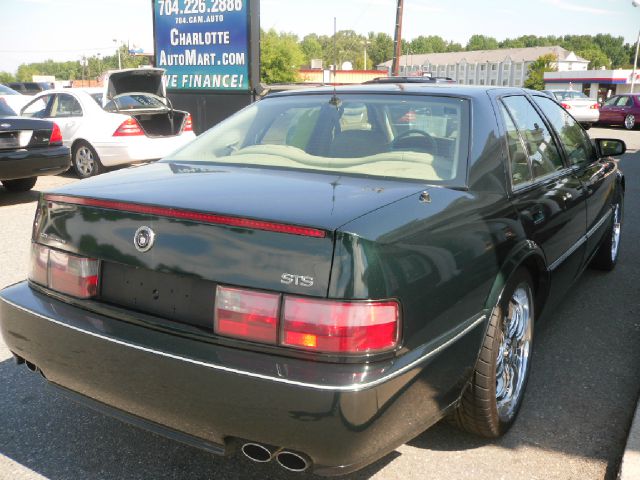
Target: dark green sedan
325, 274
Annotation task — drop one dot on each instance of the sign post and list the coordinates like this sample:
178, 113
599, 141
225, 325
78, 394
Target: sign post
211, 55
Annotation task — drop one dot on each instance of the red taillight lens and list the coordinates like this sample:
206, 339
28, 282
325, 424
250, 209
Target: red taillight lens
340, 327
566, 106
129, 128
247, 315
56, 135
595, 106
188, 124
64, 272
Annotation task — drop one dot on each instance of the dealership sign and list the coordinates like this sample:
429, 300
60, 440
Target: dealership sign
203, 44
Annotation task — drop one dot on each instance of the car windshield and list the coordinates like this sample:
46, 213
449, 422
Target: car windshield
402, 136
569, 95
4, 90
134, 101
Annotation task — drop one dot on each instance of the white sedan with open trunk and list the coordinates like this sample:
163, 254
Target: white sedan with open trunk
132, 122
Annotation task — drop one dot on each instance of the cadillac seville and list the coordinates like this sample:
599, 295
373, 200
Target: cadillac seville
325, 274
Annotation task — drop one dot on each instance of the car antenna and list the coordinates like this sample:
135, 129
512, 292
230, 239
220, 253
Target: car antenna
335, 101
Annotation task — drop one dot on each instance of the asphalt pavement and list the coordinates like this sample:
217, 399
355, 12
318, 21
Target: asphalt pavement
574, 423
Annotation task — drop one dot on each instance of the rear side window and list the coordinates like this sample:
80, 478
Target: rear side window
577, 144
65, 106
520, 167
541, 148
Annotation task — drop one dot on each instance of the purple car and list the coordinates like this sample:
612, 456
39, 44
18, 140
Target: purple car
621, 110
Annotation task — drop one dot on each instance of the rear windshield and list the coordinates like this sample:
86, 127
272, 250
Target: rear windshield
134, 101
569, 95
402, 136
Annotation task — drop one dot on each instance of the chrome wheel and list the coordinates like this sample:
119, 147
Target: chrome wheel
629, 122
512, 363
615, 233
85, 161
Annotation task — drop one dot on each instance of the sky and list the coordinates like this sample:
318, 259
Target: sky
36, 30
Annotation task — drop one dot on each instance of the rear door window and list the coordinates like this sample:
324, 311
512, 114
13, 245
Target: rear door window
540, 146
65, 105
574, 139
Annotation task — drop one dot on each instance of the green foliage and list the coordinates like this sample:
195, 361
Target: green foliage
281, 57
596, 58
311, 47
6, 77
480, 42
379, 48
545, 63
348, 46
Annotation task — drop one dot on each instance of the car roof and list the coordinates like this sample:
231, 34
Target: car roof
405, 88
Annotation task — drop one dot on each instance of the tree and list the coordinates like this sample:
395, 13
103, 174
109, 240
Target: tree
596, 58
281, 57
380, 48
348, 46
480, 42
311, 47
535, 75
6, 77
430, 44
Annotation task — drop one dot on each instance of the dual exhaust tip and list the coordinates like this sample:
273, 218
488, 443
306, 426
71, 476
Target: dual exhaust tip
292, 461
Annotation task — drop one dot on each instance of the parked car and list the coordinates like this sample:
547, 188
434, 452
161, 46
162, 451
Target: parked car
29, 148
134, 123
13, 99
622, 110
584, 109
316, 289
30, 88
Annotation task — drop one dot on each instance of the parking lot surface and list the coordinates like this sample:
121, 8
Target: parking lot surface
574, 422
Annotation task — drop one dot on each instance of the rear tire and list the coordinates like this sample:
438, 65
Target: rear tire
630, 122
86, 162
20, 185
490, 403
606, 257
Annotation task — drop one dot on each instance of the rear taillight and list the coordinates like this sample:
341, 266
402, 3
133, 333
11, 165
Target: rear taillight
56, 135
595, 106
323, 326
247, 314
129, 128
188, 124
63, 272
566, 106
340, 327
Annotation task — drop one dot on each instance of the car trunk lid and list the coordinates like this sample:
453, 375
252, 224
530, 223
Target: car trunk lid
249, 227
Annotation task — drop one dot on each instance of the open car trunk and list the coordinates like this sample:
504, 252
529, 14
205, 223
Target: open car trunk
161, 124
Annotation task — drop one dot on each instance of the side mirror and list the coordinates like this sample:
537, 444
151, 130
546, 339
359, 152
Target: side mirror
609, 147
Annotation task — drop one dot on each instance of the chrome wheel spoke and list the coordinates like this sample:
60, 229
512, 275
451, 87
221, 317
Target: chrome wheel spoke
512, 360
615, 233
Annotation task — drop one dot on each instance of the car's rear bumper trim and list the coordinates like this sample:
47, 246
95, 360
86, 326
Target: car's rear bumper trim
433, 350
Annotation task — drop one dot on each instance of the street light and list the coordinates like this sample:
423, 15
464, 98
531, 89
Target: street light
115, 40
635, 3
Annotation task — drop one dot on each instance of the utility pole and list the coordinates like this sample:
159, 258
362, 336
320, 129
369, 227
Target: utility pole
397, 42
